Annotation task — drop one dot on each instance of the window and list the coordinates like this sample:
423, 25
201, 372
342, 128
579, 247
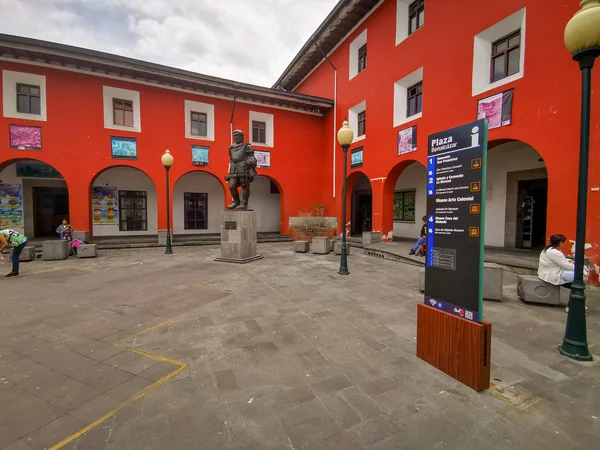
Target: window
362, 58
196, 211
199, 123
362, 123
122, 112
414, 100
404, 206
259, 132
506, 56
28, 99
133, 211
416, 16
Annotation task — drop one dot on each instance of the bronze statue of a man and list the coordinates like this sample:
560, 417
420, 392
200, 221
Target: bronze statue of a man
242, 170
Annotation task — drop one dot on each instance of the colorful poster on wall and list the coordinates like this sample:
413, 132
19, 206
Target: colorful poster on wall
200, 155
34, 169
105, 206
263, 159
407, 140
123, 147
25, 137
356, 157
11, 205
497, 109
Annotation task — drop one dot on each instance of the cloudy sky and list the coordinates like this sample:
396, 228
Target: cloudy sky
246, 40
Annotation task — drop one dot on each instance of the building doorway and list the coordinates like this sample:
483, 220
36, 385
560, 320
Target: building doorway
50, 207
531, 213
362, 209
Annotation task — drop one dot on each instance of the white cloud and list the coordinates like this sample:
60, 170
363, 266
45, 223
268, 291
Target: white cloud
245, 40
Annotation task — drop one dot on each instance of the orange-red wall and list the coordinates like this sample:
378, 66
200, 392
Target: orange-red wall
546, 107
76, 143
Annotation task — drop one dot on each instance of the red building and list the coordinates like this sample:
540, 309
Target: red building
433, 64
399, 70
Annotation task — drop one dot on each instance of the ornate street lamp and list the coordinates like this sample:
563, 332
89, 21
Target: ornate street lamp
582, 39
345, 136
167, 162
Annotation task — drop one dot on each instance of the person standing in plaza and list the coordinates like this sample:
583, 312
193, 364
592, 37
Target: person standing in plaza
18, 241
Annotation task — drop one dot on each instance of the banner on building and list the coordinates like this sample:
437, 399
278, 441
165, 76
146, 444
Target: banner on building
25, 137
35, 169
497, 109
407, 140
105, 206
456, 167
200, 155
263, 159
356, 158
11, 205
123, 147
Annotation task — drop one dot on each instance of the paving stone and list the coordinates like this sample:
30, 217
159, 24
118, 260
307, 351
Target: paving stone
341, 441
226, 380
379, 385
341, 410
333, 384
53, 432
364, 406
304, 412
372, 431
158, 371
129, 388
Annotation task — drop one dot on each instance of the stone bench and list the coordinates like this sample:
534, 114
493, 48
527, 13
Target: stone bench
87, 251
493, 280
28, 254
55, 250
301, 246
337, 248
531, 289
320, 245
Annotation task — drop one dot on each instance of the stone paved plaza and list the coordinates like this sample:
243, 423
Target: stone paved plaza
138, 350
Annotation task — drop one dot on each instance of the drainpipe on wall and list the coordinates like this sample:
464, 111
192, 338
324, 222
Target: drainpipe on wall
334, 111
231, 122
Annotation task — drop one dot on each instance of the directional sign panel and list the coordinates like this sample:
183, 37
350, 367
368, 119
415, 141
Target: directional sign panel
456, 213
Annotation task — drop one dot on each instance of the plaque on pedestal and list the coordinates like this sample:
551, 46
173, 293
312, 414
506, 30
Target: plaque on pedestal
238, 237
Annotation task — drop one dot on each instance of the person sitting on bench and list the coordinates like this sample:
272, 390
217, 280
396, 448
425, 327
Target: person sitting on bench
421, 239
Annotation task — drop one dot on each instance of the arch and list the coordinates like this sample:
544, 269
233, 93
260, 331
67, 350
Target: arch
359, 197
118, 217
267, 199
43, 195
517, 188
198, 199
408, 178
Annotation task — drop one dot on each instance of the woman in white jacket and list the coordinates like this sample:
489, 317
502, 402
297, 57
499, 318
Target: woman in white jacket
554, 267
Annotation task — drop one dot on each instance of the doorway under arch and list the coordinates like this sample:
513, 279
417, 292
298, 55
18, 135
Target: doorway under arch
123, 202
198, 201
361, 204
34, 197
266, 198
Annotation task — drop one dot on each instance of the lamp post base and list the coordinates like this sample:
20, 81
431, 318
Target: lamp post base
344, 261
575, 344
169, 248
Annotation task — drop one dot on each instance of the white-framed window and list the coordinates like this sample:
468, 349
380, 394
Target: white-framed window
24, 95
499, 53
408, 91
199, 120
121, 109
357, 119
261, 128
358, 54
410, 17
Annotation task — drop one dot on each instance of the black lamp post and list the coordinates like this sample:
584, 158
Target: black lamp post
582, 39
345, 136
167, 162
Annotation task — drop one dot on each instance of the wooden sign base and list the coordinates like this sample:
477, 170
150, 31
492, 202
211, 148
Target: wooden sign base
456, 346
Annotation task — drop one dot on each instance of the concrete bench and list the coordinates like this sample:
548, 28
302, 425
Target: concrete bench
337, 248
320, 245
301, 246
531, 289
55, 250
28, 254
371, 237
493, 280
87, 251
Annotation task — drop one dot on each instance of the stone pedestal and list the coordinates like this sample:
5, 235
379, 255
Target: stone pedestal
28, 254
55, 250
371, 237
238, 237
337, 248
320, 245
87, 251
301, 246
162, 237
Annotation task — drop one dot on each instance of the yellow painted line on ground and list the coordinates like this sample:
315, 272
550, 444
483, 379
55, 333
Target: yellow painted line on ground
181, 367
